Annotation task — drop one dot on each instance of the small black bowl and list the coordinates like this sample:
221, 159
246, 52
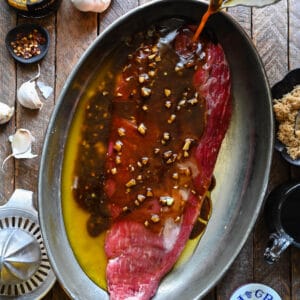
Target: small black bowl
24, 30
281, 88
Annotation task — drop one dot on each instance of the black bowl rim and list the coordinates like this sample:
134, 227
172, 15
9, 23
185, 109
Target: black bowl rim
284, 86
24, 28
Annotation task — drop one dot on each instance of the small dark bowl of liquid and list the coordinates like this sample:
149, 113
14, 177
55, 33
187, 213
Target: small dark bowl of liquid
283, 218
28, 43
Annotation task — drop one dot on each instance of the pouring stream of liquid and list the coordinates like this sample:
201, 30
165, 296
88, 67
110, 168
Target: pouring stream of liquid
216, 5
213, 7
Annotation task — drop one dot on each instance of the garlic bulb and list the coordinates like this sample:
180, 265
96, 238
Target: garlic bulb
91, 5
6, 113
21, 145
27, 94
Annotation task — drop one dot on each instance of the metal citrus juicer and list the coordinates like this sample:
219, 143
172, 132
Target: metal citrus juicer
25, 271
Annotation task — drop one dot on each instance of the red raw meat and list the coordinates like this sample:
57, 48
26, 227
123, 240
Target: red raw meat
138, 257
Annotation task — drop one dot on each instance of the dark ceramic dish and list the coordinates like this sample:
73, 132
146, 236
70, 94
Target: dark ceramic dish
281, 88
241, 171
25, 30
282, 212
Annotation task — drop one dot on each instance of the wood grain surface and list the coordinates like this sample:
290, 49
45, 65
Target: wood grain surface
274, 30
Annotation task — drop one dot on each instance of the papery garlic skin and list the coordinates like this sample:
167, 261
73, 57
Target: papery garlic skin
6, 113
91, 5
28, 96
21, 145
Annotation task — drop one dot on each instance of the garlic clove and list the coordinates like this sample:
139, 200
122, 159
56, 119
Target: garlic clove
6, 113
91, 5
21, 142
28, 96
21, 145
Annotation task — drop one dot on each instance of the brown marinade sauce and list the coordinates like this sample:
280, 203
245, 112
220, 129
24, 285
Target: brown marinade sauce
152, 100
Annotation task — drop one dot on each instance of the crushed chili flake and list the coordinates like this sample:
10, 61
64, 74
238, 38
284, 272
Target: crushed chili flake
28, 45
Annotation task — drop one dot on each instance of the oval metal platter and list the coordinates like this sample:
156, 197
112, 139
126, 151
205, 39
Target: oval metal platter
241, 171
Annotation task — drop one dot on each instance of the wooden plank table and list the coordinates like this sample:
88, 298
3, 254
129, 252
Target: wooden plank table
275, 30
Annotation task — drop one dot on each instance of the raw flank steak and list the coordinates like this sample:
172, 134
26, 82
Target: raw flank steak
170, 113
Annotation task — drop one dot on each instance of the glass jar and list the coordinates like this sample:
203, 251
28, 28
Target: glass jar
35, 8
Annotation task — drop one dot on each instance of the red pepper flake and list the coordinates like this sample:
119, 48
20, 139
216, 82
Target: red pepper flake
28, 45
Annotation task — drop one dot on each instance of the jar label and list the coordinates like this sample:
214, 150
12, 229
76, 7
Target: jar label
19, 4
255, 291
33, 5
